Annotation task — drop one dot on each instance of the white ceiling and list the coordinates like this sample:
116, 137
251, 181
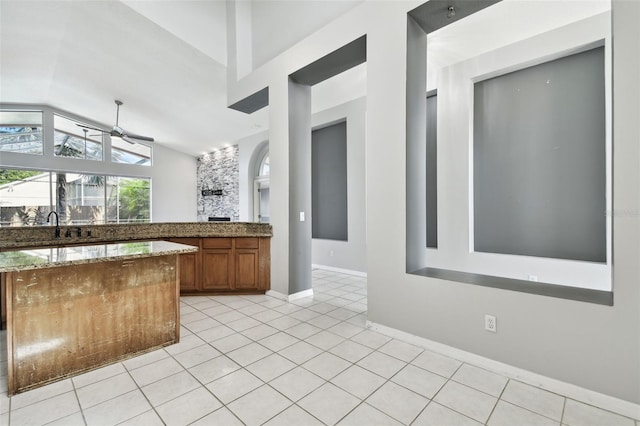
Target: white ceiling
166, 59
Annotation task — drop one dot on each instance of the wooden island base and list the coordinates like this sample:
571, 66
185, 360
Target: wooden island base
66, 320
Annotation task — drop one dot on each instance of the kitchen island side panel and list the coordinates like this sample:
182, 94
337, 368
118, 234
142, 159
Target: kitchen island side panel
62, 321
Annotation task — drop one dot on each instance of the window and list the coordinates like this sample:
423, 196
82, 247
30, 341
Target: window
264, 166
261, 193
128, 153
26, 197
73, 140
21, 132
128, 200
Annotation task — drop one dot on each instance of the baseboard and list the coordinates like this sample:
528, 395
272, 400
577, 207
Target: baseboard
569, 390
341, 270
290, 297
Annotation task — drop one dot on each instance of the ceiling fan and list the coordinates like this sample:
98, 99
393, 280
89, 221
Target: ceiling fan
118, 131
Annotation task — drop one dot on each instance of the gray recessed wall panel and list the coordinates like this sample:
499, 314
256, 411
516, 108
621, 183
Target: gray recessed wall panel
539, 160
336, 62
432, 171
329, 182
252, 103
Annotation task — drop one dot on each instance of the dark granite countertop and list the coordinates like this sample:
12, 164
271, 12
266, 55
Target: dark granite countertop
43, 236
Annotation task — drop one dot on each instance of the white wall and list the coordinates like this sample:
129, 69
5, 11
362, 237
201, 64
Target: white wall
350, 254
589, 345
295, 19
173, 186
592, 346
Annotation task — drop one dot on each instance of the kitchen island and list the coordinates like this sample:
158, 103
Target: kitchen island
73, 309
233, 257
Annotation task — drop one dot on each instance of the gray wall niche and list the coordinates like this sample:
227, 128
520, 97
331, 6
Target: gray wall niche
329, 182
348, 255
219, 170
539, 160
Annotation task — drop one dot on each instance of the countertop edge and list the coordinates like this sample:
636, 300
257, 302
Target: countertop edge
107, 258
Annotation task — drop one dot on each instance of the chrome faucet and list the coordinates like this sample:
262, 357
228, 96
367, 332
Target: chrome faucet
57, 234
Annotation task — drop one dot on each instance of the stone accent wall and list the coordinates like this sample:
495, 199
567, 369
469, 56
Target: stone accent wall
219, 171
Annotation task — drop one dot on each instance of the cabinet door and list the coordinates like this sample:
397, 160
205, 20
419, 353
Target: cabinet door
246, 269
189, 272
189, 266
264, 264
217, 269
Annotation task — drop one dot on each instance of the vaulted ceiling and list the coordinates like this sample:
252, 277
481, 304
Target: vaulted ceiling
166, 59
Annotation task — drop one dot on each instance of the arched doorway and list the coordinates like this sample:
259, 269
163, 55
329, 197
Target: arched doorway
261, 188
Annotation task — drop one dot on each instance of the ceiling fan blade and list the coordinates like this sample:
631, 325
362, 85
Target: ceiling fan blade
139, 137
92, 128
126, 139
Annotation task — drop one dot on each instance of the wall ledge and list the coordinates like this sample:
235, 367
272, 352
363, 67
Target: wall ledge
599, 297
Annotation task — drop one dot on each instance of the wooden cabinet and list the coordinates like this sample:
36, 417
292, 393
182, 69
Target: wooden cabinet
217, 264
246, 263
189, 265
226, 265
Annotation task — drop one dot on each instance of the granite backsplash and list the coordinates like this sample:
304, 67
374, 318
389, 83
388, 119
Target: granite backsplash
30, 236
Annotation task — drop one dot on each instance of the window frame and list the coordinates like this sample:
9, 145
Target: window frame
42, 129
103, 198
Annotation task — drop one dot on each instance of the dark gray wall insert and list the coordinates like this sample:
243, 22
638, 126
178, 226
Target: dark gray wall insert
432, 15
252, 103
432, 170
539, 160
336, 62
599, 297
329, 182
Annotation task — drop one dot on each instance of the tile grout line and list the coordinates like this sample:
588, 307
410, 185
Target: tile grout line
497, 401
352, 320
75, 392
144, 395
450, 379
273, 352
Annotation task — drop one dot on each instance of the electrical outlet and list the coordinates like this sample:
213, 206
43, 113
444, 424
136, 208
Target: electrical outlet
301, 216
490, 323
533, 278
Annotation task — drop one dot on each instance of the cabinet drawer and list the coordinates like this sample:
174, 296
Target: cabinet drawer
251, 243
216, 243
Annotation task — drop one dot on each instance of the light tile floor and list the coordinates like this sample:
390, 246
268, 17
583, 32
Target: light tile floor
257, 360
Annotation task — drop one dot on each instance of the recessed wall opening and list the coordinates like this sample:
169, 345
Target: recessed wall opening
523, 159
329, 210
432, 169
